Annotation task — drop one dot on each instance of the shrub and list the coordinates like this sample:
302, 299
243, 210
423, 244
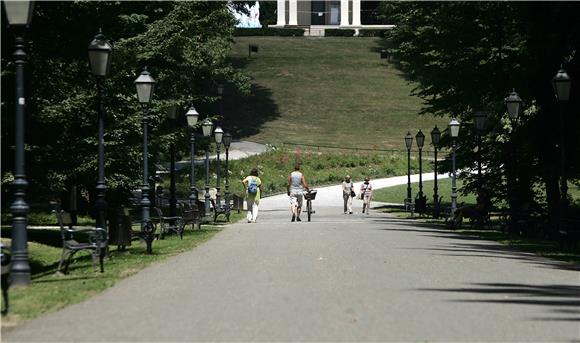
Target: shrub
372, 32
338, 32
268, 31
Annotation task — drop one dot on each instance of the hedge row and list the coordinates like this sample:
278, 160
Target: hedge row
338, 32
371, 33
268, 31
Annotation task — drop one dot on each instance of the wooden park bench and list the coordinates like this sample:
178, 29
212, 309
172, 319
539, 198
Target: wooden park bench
169, 224
477, 214
191, 214
225, 210
94, 240
570, 234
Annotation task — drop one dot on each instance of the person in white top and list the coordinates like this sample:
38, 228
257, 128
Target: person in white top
366, 192
296, 186
347, 194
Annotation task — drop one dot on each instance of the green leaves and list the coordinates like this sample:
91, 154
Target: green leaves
183, 44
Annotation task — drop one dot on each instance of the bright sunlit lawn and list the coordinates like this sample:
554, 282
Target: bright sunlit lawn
397, 194
331, 91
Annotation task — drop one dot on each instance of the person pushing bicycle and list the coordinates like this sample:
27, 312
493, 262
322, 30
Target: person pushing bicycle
296, 186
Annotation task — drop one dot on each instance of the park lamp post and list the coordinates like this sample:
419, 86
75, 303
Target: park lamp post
19, 16
420, 137
145, 85
220, 91
206, 128
454, 131
100, 52
513, 104
562, 84
479, 118
172, 115
218, 135
435, 137
192, 117
227, 140
409, 144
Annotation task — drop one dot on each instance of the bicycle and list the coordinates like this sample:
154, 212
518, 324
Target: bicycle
309, 195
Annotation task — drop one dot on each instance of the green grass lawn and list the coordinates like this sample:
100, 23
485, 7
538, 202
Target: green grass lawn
332, 91
397, 194
320, 168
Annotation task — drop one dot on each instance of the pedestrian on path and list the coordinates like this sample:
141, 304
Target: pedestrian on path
253, 186
296, 186
366, 193
347, 194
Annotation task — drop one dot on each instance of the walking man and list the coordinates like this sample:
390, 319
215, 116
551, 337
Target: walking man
296, 186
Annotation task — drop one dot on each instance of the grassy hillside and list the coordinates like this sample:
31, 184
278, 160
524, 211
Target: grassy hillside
331, 91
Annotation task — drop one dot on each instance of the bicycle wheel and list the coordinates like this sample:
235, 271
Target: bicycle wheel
309, 208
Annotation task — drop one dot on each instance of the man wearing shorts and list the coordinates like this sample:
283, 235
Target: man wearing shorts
296, 186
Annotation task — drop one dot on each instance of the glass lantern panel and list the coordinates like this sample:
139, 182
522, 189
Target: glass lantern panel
144, 91
562, 90
17, 12
192, 119
99, 60
513, 109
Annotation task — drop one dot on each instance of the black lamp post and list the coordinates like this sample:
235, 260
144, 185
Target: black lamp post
192, 117
19, 15
145, 85
206, 128
420, 137
218, 135
172, 114
220, 91
100, 52
479, 123
409, 144
562, 84
435, 137
454, 131
227, 140
513, 103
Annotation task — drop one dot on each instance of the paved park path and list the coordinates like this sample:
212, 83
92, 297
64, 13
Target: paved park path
339, 278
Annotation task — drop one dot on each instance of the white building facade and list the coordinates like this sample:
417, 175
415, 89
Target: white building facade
327, 14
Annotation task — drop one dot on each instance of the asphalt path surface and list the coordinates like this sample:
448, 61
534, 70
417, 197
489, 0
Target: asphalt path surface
338, 278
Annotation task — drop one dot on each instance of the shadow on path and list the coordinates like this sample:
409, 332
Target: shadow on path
565, 298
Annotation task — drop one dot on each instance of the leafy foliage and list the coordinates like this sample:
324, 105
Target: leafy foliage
183, 45
466, 56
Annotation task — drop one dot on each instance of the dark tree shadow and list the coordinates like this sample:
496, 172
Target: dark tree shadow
564, 299
469, 245
245, 115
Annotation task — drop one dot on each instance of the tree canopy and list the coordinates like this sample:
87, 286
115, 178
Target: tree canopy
182, 44
468, 56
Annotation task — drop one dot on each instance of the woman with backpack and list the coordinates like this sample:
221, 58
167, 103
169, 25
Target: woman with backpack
253, 186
